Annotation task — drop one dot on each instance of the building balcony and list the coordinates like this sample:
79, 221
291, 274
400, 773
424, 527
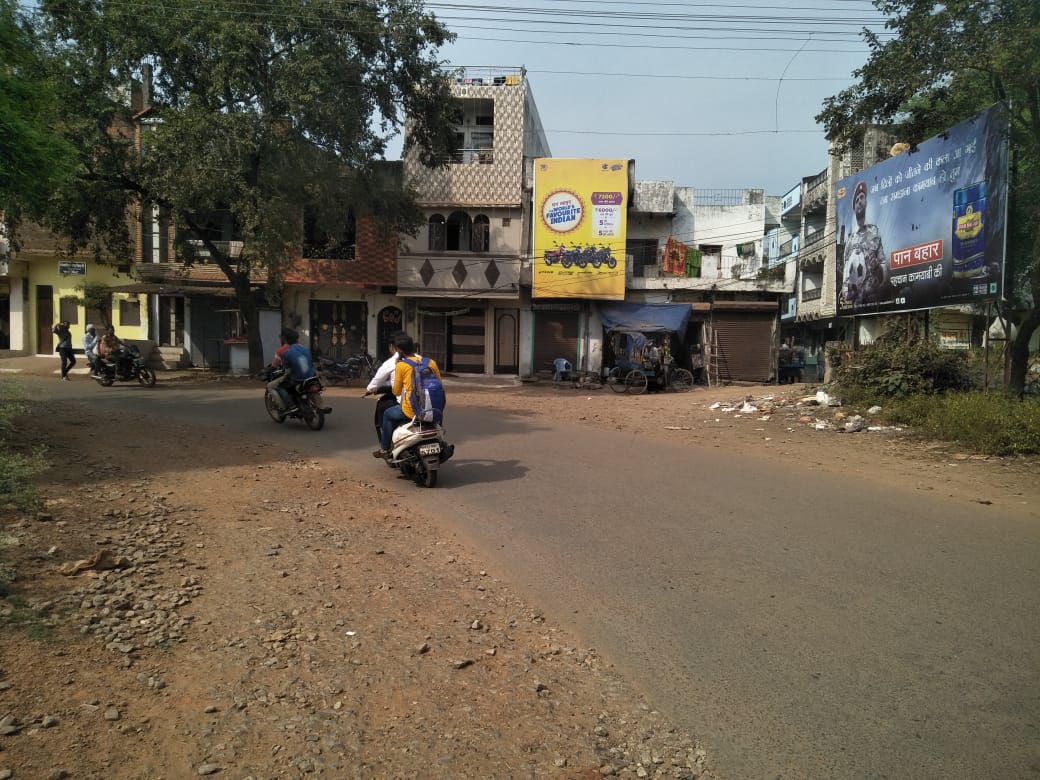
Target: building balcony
198, 252
820, 251
817, 192
732, 274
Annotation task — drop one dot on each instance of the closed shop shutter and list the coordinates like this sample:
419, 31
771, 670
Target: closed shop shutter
556, 335
744, 346
467, 343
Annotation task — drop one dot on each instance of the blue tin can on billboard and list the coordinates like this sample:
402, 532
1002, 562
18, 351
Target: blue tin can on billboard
969, 231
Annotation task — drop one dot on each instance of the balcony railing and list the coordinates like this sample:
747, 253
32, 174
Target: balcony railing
812, 239
483, 156
812, 295
816, 191
200, 252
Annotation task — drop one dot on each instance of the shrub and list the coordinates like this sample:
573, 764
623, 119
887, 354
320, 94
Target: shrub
990, 423
892, 367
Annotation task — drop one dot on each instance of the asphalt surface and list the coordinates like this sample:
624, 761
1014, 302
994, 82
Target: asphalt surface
839, 628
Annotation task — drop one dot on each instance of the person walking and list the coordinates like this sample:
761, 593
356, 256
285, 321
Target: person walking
64, 348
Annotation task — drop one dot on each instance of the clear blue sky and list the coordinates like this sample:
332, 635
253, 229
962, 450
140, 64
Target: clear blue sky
706, 95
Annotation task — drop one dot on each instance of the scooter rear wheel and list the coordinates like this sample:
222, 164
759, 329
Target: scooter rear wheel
428, 478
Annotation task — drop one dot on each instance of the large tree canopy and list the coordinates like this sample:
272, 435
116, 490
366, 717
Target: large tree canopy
946, 62
35, 158
260, 111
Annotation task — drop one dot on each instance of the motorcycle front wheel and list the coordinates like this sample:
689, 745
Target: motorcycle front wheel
272, 409
146, 377
107, 380
428, 478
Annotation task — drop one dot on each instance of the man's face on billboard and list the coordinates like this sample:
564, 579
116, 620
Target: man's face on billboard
859, 203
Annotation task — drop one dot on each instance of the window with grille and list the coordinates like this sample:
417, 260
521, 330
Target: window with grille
481, 233
69, 310
436, 233
459, 231
334, 241
129, 313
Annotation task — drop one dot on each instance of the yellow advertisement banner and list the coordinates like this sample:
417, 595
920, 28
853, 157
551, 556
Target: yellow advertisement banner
580, 212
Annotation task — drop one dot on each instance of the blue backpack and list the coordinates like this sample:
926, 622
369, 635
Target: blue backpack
427, 393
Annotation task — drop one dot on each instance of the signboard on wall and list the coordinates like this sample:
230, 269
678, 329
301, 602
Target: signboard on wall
926, 228
581, 210
71, 268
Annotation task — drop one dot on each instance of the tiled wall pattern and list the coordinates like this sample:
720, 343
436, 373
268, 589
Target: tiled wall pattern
475, 183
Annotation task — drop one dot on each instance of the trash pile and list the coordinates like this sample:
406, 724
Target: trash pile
821, 411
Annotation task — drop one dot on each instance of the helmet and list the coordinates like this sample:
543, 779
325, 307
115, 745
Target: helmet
89, 327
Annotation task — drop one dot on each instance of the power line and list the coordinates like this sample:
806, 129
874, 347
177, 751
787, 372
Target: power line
655, 46
692, 77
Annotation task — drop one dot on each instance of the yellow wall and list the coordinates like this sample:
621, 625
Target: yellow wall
44, 271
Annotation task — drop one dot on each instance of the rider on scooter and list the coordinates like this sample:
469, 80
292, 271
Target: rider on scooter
383, 381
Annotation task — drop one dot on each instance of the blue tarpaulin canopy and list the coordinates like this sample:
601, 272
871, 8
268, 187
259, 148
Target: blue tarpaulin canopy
646, 317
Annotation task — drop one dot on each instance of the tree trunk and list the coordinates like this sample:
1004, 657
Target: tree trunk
1020, 353
257, 358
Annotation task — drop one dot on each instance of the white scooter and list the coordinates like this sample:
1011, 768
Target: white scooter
417, 449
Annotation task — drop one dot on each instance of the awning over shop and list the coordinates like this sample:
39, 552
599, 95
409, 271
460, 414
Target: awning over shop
157, 288
645, 317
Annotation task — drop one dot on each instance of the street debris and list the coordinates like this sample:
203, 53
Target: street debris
821, 411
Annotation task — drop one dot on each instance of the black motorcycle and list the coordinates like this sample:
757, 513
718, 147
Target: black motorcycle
126, 365
359, 366
304, 397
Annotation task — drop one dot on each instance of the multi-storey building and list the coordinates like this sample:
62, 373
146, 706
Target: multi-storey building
811, 319
460, 276
42, 283
733, 290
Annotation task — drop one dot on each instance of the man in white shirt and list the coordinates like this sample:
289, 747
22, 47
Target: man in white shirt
384, 374
382, 381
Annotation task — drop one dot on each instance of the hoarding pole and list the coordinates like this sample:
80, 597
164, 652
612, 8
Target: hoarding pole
985, 335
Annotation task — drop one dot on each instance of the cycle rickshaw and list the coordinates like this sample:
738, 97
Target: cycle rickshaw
642, 361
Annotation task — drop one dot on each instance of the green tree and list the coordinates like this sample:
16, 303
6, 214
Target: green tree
260, 111
946, 62
36, 159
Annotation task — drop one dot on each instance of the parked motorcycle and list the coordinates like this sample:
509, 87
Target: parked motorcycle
359, 366
305, 400
128, 365
417, 449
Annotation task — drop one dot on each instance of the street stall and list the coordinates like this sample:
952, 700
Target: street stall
642, 342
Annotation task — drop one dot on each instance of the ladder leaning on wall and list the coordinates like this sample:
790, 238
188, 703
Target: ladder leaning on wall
711, 368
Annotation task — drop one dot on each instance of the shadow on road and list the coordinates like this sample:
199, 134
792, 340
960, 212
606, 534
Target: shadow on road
468, 472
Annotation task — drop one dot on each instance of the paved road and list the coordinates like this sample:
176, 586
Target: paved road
801, 628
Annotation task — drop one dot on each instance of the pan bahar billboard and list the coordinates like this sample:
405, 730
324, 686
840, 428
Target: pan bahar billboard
926, 228
579, 228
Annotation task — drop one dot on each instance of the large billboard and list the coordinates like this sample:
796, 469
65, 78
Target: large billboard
926, 228
581, 208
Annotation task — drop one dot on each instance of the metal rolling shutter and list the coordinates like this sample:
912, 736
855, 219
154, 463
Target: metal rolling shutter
556, 335
467, 343
744, 344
